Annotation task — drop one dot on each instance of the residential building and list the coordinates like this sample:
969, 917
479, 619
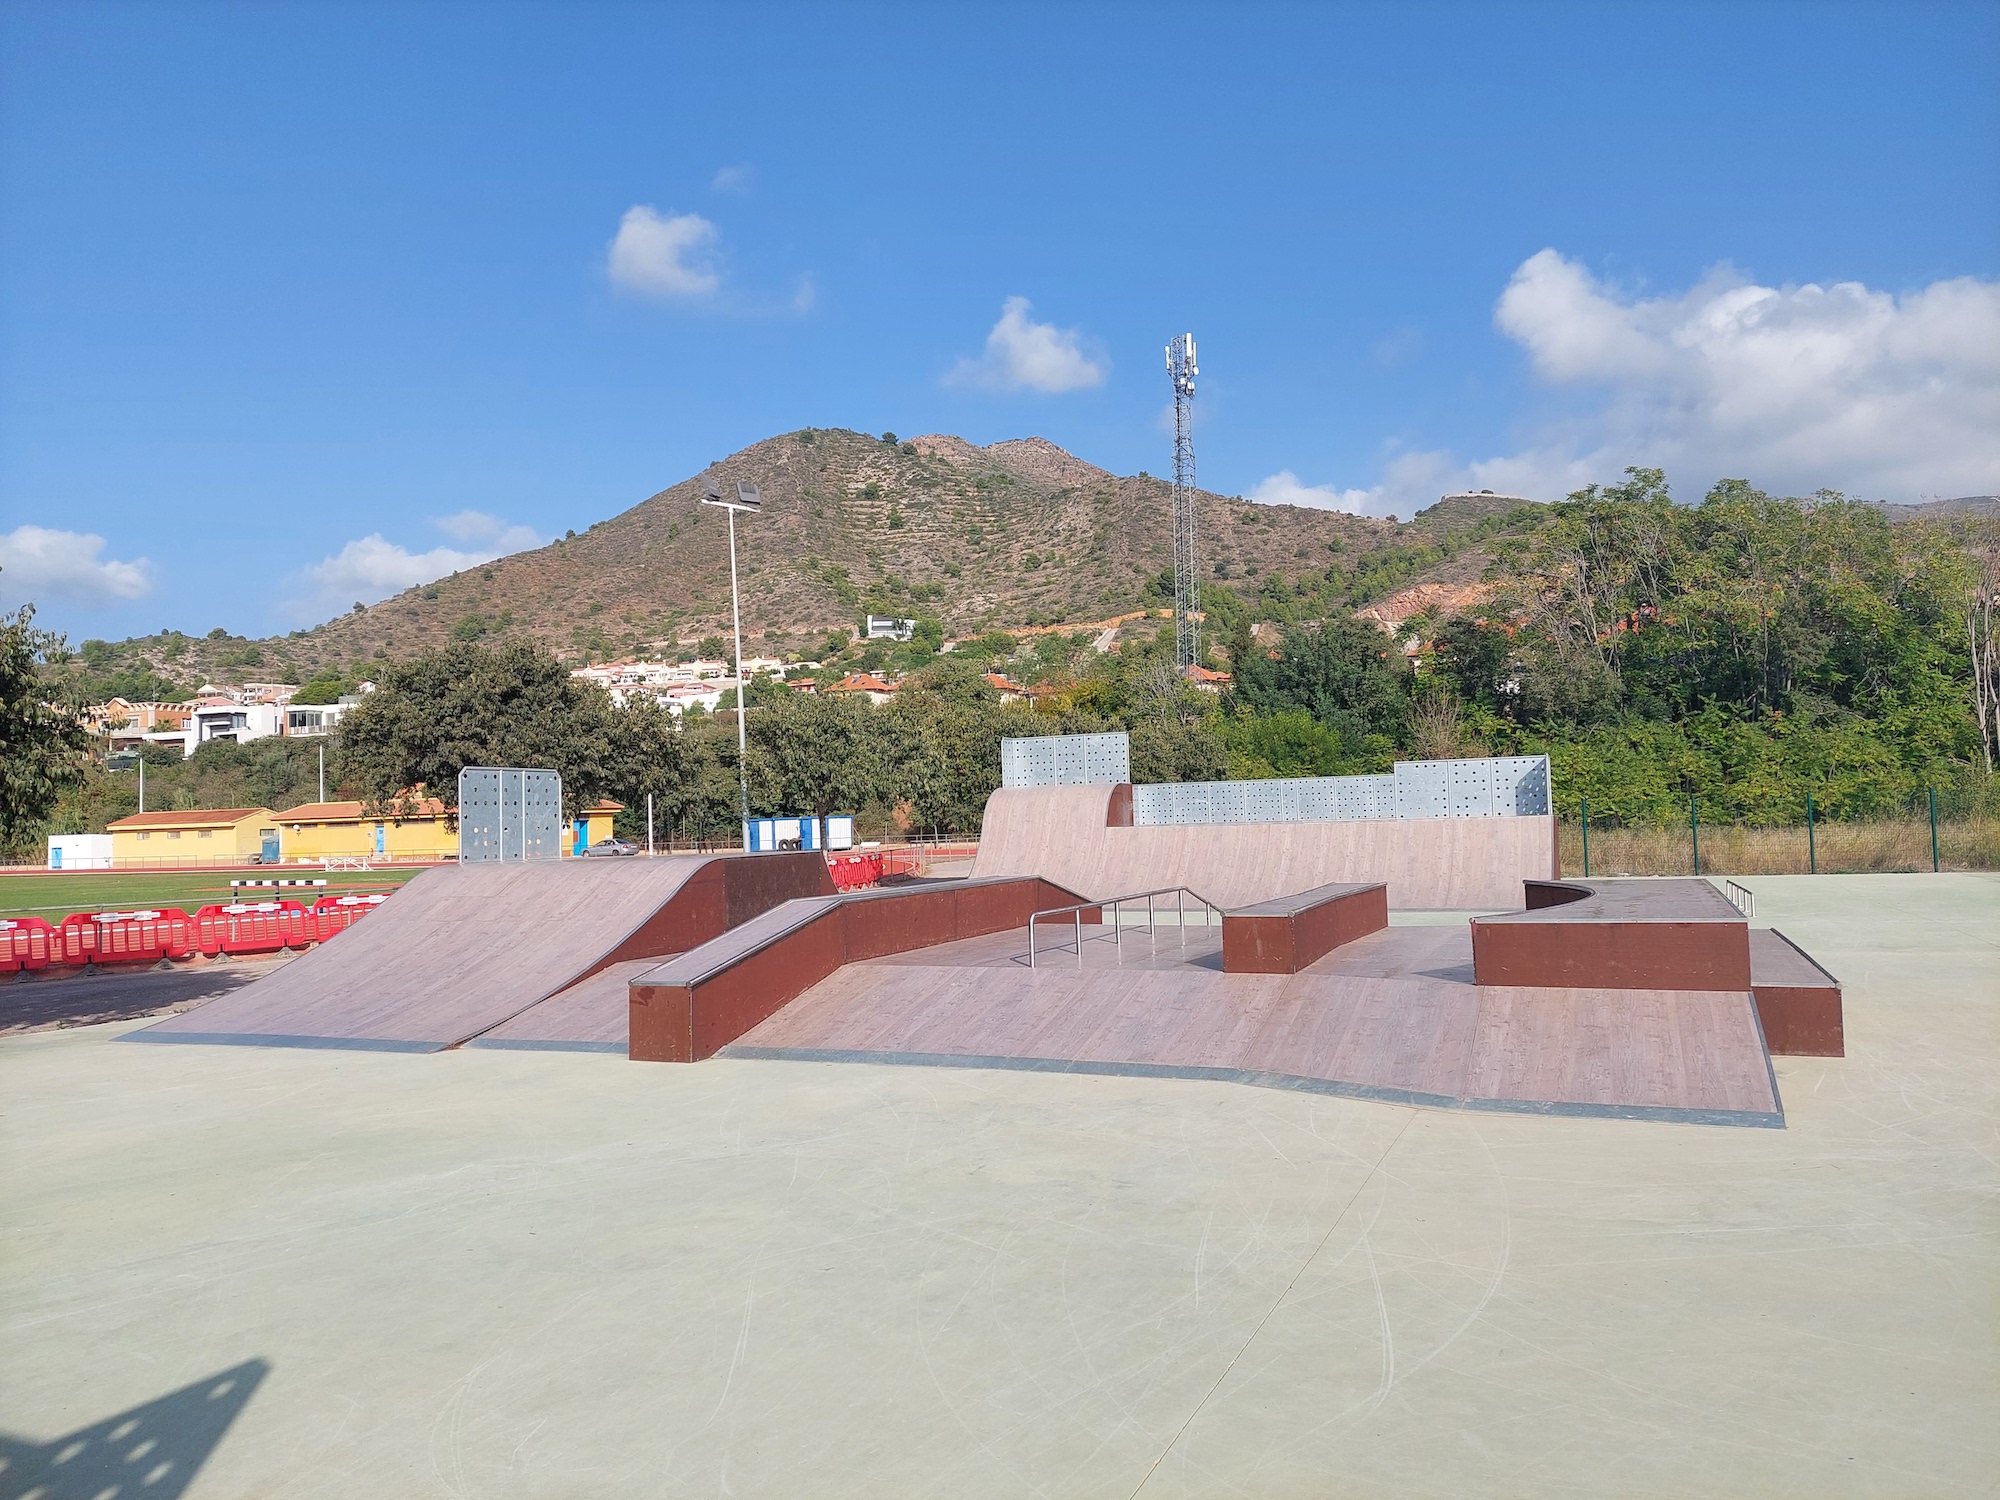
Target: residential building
878, 690
309, 719
240, 722
213, 836
889, 628
1009, 691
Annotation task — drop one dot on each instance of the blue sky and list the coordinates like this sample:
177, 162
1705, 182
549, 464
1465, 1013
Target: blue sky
299, 302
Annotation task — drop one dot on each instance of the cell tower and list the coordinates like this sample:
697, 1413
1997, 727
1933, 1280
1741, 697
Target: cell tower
1187, 582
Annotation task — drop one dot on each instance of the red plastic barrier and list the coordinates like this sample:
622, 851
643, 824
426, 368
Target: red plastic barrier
851, 872
331, 914
260, 927
26, 943
124, 937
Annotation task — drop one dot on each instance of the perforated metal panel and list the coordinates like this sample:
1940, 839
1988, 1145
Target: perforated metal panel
1066, 760
1423, 789
1507, 786
1521, 785
508, 813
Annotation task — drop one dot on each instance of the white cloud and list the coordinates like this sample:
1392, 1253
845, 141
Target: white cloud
372, 567
1792, 388
1023, 355
1883, 396
664, 256
476, 527
740, 178
1285, 488
37, 562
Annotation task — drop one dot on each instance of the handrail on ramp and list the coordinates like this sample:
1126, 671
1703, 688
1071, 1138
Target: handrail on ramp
1180, 893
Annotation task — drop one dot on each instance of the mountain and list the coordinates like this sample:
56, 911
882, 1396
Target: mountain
1017, 533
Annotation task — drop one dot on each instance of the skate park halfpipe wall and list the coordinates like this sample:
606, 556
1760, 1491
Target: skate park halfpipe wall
1083, 838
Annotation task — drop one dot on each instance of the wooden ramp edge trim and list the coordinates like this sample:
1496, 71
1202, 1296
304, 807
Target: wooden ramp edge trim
1291, 1082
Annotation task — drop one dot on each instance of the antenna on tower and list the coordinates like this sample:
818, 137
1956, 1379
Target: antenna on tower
1187, 582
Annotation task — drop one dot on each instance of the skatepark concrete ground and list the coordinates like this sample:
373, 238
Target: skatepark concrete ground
497, 1273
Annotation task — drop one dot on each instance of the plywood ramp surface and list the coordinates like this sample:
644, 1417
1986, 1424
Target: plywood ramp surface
1436, 863
592, 1015
1391, 1016
456, 951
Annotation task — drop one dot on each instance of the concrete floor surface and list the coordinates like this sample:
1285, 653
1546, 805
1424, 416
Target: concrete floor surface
496, 1273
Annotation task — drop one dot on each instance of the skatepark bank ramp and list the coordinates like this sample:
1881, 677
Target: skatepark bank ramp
461, 950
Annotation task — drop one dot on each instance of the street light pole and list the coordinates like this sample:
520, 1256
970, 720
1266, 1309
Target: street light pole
747, 499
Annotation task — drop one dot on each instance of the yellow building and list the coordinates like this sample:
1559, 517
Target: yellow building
215, 836
426, 830
592, 825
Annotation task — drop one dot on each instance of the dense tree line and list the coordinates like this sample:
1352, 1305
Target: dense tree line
1746, 650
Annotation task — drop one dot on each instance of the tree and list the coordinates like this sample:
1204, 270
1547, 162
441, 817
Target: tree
1344, 672
813, 753
467, 705
43, 743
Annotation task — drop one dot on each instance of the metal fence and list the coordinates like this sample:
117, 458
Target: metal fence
1939, 830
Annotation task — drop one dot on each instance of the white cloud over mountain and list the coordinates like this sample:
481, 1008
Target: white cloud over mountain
664, 255
1881, 395
1023, 355
372, 567
37, 562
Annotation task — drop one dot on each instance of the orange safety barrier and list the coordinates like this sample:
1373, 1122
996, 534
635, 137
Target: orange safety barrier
124, 937
27, 943
262, 927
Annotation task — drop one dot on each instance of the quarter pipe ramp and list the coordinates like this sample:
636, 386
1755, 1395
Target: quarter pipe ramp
462, 950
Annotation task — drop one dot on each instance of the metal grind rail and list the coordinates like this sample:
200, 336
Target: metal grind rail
1742, 897
1114, 904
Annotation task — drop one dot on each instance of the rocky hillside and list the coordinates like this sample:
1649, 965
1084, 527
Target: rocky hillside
1016, 534
1019, 533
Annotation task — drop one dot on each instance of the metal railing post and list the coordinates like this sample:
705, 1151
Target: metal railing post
1180, 914
1694, 827
1079, 937
1586, 838
1934, 851
1812, 840
1031, 940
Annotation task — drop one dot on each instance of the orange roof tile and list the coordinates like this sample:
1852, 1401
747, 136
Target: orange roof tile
216, 817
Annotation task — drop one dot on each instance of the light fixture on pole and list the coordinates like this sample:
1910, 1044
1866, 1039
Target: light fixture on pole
747, 499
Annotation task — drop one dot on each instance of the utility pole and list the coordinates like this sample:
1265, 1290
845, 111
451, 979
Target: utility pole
322, 770
1181, 370
142, 776
747, 499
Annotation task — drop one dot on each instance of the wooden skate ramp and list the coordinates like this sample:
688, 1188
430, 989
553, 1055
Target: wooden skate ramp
1080, 837
462, 950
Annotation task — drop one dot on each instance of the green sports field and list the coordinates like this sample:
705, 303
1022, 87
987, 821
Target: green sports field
55, 896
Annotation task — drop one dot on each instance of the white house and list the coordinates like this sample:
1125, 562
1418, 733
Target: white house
232, 721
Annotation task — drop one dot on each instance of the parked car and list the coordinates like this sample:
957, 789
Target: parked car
609, 849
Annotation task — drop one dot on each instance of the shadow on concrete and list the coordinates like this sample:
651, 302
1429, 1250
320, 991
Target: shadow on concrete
42, 1004
153, 1450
